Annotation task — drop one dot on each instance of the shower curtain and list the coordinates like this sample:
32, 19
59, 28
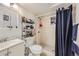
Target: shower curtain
63, 35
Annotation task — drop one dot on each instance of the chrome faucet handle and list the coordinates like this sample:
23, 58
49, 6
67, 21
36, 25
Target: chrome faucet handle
3, 40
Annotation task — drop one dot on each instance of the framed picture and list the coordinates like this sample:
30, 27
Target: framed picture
5, 17
53, 20
6, 21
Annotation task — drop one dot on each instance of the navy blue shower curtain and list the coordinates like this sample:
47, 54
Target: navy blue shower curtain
64, 25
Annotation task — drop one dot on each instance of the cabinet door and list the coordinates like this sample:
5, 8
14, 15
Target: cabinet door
1, 17
14, 18
6, 16
4, 33
3, 53
17, 50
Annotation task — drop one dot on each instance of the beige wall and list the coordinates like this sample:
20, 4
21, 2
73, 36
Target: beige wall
47, 32
37, 35
77, 21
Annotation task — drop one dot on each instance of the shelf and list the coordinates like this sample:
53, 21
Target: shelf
27, 27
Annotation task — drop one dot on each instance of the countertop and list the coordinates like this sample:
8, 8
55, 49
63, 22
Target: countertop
10, 43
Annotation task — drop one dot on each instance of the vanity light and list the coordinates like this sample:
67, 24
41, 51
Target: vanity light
7, 4
13, 5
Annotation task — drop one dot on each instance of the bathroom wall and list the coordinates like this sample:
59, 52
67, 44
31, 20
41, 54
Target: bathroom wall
77, 21
37, 29
47, 32
77, 13
15, 16
23, 12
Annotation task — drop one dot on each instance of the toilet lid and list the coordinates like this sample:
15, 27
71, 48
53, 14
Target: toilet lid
36, 49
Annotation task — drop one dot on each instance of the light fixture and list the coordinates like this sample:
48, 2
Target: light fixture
14, 6
10, 5
7, 4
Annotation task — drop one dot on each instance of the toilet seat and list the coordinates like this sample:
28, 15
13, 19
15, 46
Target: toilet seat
36, 49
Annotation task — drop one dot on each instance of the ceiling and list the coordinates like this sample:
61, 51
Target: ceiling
40, 8
37, 8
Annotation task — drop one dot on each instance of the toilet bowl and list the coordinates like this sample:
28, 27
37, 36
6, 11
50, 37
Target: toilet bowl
36, 50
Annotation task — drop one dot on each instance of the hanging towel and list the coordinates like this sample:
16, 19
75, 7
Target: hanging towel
75, 45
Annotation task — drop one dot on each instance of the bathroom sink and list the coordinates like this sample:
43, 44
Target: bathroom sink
10, 43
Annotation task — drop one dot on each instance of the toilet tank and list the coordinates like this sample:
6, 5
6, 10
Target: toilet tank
29, 41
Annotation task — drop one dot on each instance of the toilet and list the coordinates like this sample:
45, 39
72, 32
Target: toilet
35, 49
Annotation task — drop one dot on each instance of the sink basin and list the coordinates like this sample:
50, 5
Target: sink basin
9, 43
